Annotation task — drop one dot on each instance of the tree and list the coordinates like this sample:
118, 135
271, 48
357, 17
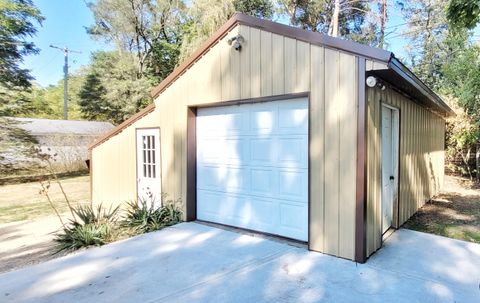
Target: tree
206, 16
347, 19
111, 89
149, 29
426, 29
18, 19
258, 8
464, 13
461, 72
92, 101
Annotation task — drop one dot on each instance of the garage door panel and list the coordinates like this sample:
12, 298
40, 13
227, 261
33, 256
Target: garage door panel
223, 151
293, 118
252, 167
242, 211
263, 121
262, 152
232, 122
223, 178
291, 216
293, 185
291, 152
264, 182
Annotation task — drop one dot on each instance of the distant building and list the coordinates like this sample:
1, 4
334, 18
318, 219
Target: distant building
66, 140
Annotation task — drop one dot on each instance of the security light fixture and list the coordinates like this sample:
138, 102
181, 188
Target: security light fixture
236, 42
371, 81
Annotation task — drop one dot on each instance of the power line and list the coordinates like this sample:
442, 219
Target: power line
65, 51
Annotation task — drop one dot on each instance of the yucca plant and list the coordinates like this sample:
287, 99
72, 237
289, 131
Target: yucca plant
91, 226
144, 216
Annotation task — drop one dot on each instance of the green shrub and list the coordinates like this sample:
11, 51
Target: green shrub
142, 215
91, 226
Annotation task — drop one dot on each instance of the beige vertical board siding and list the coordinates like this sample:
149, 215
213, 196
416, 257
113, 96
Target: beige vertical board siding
245, 62
255, 72
347, 113
302, 81
278, 65
290, 54
317, 118
268, 64
332, 137
421, 159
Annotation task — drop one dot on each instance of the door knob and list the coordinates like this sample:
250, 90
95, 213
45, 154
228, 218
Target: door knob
392, 178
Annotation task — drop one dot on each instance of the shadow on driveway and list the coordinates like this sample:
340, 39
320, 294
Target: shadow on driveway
199, 263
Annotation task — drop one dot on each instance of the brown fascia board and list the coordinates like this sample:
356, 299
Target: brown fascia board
148, 109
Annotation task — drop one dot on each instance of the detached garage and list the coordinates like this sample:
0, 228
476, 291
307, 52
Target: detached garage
287, 132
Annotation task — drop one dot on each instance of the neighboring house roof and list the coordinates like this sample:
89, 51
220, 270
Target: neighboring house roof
67, 127
397, 73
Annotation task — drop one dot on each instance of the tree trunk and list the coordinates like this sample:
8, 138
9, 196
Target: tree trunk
477, 162
383, 21
333, 30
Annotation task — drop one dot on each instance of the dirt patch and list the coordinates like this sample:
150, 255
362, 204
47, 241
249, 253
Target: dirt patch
454, 213
28, 223
27, 242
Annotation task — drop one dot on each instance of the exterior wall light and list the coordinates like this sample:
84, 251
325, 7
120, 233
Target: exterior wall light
371, 81
236, 42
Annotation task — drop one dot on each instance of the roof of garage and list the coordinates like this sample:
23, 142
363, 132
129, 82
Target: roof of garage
396, 74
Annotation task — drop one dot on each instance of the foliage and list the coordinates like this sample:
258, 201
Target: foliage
17, 148
92, 226
139, 27
426, 29
206, 16
258, 8
111, 89
17, 23
144, 216
462, 135
461, 72
354, 18
464, 13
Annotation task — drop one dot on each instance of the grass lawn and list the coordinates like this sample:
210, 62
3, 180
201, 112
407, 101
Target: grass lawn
454, 213
23, 201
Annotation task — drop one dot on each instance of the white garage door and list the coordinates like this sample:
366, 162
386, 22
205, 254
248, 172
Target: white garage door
252, 166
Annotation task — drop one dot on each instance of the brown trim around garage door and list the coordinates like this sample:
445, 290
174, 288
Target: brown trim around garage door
191, 201
361, 190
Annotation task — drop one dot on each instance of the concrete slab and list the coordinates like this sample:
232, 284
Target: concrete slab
199, 263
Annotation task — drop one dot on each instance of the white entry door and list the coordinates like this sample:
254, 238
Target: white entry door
252, 166
390, 127
149, 183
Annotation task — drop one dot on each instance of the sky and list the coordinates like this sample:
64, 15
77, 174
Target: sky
65, 22
63, 26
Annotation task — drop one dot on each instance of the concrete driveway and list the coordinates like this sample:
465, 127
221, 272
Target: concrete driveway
192, 262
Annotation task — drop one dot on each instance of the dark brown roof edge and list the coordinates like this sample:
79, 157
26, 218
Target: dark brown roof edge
148, 109
277, 28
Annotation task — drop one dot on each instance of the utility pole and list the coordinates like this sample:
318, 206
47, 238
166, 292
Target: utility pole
66, 51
